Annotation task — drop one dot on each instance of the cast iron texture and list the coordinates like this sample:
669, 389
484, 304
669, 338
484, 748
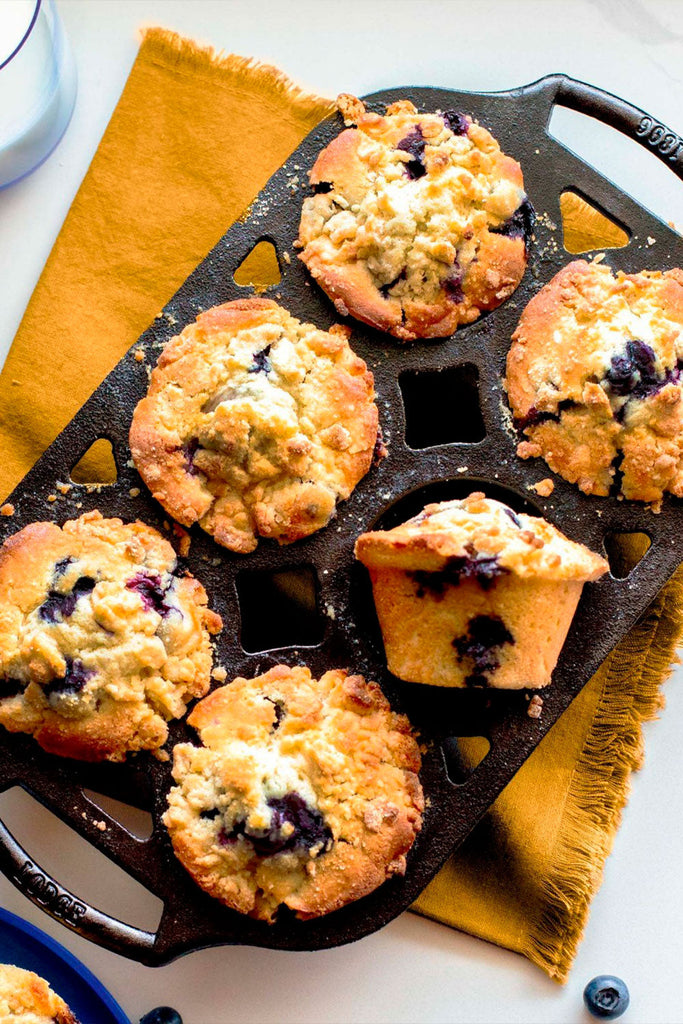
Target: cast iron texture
398, 487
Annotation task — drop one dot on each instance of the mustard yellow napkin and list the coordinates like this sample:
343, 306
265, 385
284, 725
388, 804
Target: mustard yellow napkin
193, 139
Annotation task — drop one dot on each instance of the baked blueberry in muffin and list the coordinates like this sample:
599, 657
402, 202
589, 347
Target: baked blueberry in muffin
304, 792
102, 641
26, 998
255, 424
418, 222
594, 380
470, 593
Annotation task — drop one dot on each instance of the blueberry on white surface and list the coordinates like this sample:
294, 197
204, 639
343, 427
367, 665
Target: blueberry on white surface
606, 997
162, 1015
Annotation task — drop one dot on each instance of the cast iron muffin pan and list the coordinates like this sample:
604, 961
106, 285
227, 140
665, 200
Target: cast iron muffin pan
446, 426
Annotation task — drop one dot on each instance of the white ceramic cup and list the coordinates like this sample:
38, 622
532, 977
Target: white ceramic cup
37, 85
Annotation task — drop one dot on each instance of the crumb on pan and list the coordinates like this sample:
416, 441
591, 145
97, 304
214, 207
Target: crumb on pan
350, 107
184, 540
544, 487
535, 707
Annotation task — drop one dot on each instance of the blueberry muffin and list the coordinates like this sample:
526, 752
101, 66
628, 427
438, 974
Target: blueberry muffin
26, 998
470, 593
255, 424
101, 641
418, 223
594, 380
303, 793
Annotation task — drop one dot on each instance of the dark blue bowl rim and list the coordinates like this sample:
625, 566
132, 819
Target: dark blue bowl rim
86, 975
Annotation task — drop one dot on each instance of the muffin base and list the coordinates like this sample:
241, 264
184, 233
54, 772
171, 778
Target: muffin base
440, 637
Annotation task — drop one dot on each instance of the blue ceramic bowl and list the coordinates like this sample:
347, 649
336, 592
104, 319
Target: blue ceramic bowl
26, 946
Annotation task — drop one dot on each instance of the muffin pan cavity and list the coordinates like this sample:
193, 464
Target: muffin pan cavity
447, 430
279, 609
442, 406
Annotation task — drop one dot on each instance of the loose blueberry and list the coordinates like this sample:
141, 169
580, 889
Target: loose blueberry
162, 1015
485, 634
261, 363
73, 681
457, 122
151, 591
606, 997
58, 606
309, 828
414, 144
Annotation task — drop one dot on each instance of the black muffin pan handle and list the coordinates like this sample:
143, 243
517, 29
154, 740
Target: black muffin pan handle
445, 421
650, 133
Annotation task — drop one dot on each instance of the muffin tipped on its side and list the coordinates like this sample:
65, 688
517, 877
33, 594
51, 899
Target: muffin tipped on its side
303, 793
470, 593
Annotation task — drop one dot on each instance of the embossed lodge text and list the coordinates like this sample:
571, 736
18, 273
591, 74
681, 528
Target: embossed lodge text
660, 138
50, 894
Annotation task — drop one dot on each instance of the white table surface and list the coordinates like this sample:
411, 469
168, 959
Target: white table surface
413, 970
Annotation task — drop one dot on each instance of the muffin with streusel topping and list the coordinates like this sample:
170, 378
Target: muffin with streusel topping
419, 222
595, 380
304, 792
102, 640
255, 424
470, 593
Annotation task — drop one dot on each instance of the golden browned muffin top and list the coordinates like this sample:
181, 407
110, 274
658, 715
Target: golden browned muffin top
483, 537
101, 640
255, 424
594, 380
419, 221
304, 792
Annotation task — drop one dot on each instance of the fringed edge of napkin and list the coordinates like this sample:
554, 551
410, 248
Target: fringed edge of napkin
175, 50
600, 786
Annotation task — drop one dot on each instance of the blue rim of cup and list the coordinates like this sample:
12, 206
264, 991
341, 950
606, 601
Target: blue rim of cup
60, 53
27, 33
